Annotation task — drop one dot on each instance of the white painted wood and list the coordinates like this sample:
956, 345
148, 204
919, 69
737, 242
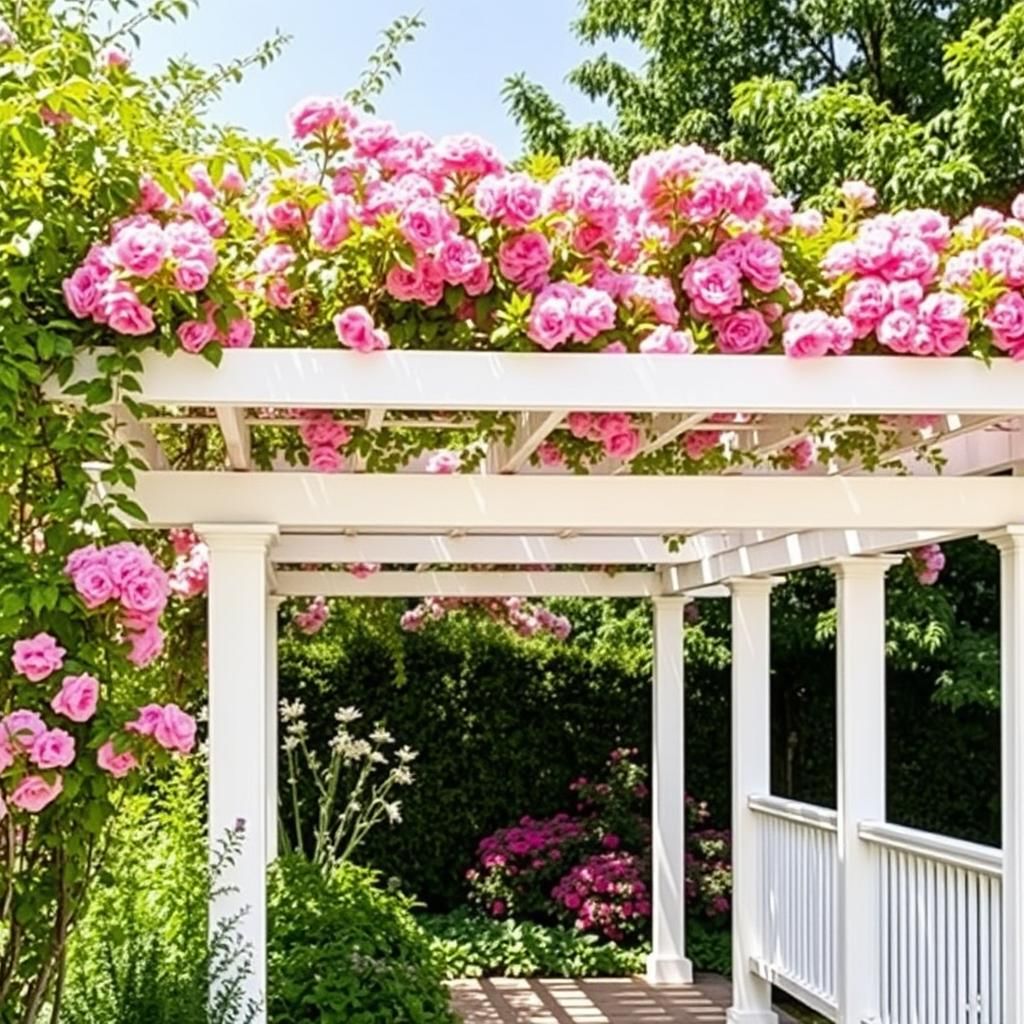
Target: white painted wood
238, 715
797, 852
1010, 542
128, 429
860, 777
668, 963
751, 773
492, 549
470, 584
273, 606
532, 429
237, 439
549, 382
939, 913
617, 505
794, 551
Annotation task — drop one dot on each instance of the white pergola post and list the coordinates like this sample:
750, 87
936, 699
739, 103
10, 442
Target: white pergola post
1011, 548
273, 603
860, 778
668, 963
751, 775
239, 614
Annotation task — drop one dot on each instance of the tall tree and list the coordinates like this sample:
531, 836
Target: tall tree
921, 97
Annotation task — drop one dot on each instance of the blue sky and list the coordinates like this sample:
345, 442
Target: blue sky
452, 74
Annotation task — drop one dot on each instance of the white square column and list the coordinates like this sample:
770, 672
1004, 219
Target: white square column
667, 963
860, 779
1010, 543
239, 707
751, 775
272, 747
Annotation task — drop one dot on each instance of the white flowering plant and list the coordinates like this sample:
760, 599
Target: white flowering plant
353, 784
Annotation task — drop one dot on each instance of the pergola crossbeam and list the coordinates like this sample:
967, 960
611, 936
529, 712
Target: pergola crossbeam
469, 584
532, 428
129, 429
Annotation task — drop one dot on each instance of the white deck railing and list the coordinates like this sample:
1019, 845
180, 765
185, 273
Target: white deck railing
940, 914
797, 860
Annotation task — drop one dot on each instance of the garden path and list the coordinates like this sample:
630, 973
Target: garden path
590, 1001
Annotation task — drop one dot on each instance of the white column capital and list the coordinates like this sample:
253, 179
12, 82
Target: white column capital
671, 600
753, 584
237, 536
1008, 538
862, 566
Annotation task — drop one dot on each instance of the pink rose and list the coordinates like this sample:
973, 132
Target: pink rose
317, 114
331, 222
21, 727
285, 215
77, 698
115, 58
140, 248
743, 332
622, 445
1017, 206
120, 308
321, 428
459, 259
580, 424
232, 181
118, 765
897, 330
54, 748
663, 339
479, 282
550, 323
945, 314
759, 260
33, 793
145, 591
176, 730
195, 335
808, 222
197, 206
592, 312
199, 175
325, 458
355, 330
82, 290
424, 223
444, 462
94, 582
149, 717
808, 334
38, 656
151, 196
1006, 321
866, 301
859, 194
526, 259
713, 286
279, 294
147, 643
191, 275
240, 333
274, 259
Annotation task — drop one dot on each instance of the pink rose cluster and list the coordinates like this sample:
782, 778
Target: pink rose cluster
164, 247
928, 562
313, 617
362, 570
521, 617
324, 437
127, 574
616, 432
607, 894
190, 574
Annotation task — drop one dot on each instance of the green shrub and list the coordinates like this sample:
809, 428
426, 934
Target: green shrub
709, 946
472, 945
142, 955
343, 950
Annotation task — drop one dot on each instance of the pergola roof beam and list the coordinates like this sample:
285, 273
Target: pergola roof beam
551, 382
531, 430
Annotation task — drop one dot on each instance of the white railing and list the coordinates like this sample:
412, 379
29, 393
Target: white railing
797, 860
940, 914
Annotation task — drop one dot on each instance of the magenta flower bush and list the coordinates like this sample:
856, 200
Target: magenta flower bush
592, 868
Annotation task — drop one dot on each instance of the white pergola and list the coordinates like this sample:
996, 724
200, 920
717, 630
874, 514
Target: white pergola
862, 920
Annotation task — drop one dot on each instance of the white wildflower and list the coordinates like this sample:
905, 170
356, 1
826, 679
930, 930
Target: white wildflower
381, 735
394, 812
406, 754
346, 715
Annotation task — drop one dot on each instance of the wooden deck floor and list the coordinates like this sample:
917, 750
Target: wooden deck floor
590, 1001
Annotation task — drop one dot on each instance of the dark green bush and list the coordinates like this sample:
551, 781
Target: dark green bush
344, 950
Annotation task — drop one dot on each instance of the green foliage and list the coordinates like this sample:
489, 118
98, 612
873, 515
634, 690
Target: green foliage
472, 945
343, 950
924, 102
141, 954
383, 64
709, 946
